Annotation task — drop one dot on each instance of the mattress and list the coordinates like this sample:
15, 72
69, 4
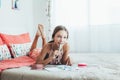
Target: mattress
100, 66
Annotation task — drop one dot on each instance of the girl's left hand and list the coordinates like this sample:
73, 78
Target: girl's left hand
68, 62
55, 53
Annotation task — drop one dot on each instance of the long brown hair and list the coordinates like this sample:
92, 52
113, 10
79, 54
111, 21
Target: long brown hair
58, 28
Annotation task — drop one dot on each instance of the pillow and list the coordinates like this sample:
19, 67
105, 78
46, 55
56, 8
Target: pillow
15, 39
34, 53
20, 49
1, 42
4, 52
11, 40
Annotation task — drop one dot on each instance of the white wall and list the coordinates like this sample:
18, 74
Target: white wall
16, 21
25, 19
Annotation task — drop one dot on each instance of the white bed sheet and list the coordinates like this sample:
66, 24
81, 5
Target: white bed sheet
100, 66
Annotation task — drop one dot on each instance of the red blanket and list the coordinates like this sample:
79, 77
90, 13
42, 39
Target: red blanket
16, 62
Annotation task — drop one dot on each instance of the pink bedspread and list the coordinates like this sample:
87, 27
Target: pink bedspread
16, 62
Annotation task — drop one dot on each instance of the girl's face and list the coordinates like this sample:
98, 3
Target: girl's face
60, 37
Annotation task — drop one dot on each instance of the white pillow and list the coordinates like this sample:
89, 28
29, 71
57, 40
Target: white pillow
4, 52
20, 49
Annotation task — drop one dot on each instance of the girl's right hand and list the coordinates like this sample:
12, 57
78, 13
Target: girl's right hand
37, 66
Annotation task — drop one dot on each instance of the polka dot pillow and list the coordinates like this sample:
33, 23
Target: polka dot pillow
15, 39
4, 52
20, 49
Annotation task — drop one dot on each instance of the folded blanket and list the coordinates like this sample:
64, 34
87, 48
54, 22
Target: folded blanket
16, 62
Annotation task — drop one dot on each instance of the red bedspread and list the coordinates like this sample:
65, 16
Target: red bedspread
16, 62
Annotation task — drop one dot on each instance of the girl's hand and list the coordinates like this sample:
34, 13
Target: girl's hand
37, 66
55, 54
69, 62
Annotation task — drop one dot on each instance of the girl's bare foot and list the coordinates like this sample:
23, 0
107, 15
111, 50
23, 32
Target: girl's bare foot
41, 30
38, 33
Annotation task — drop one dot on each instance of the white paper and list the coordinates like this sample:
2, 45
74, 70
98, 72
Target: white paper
52, 69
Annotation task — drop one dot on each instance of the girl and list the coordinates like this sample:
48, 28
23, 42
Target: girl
56, 51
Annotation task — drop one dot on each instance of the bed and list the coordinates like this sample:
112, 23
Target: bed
100, 66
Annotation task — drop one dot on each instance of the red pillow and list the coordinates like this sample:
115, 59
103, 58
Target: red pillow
15, 39
1, 42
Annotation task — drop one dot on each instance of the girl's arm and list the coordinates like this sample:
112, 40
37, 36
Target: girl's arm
66, 59
40, 59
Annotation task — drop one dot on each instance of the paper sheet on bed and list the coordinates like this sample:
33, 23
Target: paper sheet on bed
52, 69
60, 68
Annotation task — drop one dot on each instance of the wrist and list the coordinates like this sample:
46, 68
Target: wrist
53, 56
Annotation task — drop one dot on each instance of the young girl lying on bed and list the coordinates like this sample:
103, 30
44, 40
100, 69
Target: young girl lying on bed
54, 52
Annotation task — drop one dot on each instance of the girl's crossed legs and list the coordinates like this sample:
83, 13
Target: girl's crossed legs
39, 33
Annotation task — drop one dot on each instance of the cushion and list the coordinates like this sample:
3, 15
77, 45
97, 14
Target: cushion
11, 40
15, 39
1, 42
20, 49
4, 52
34, 53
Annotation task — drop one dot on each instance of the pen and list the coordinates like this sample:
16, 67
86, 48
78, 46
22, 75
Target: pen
60, 46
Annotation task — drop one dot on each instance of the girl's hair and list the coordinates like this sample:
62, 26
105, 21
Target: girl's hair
58, 28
